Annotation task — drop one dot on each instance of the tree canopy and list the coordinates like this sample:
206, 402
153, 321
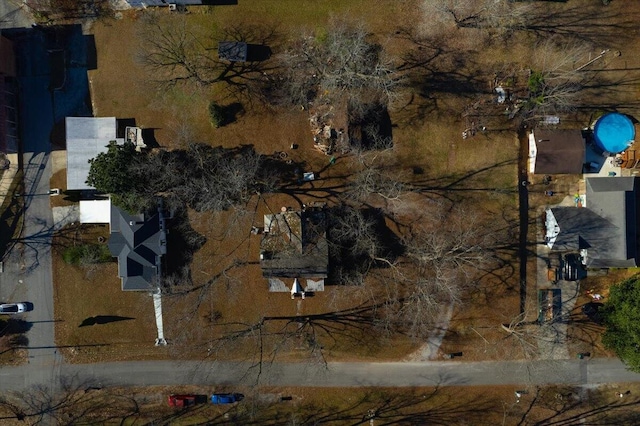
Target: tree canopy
108, 170
202, 177
621, 315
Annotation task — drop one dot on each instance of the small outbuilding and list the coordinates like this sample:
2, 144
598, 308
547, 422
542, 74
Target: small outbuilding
95, 211
556, 152
233, 51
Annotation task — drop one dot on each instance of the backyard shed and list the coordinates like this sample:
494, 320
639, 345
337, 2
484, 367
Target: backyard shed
556, 151
233, 51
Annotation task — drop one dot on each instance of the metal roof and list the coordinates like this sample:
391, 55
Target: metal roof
95, 211
86, 138
234, 51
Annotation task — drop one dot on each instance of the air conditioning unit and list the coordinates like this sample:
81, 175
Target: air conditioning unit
173, 7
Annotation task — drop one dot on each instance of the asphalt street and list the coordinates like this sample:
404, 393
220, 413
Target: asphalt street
390, 374
29, 264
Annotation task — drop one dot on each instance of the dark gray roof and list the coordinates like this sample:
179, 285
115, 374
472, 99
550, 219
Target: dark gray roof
559, 151
294, 245
607, 227
234, 51
139, 245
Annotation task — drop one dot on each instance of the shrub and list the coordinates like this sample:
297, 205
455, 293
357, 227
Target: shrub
216, 114
536, 82
86, 254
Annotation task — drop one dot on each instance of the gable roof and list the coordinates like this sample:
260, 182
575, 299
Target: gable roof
559, 151
294, 245
139, 245
86, 138
607, 227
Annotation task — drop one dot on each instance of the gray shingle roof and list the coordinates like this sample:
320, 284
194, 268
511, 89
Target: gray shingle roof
139, 245
607, 227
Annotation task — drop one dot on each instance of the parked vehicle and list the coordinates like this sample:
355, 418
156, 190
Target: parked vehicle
13, 308
182, 400
226, 398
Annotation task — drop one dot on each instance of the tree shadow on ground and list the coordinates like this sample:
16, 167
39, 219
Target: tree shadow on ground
594, 24
182, 243
556, 405
10, 218
103, 319
432, 69
231, 113
359, 239
14, 326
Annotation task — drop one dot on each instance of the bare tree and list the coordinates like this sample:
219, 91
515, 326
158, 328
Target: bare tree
177, 51
58, 11
483, 14
173, 52
444, 256
74, 402
345, 59
558, 78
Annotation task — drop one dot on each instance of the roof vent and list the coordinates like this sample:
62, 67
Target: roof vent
131, 223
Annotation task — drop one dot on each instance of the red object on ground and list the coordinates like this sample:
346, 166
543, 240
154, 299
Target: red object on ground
181, 400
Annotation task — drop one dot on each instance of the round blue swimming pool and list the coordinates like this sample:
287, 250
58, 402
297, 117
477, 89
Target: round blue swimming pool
614, 132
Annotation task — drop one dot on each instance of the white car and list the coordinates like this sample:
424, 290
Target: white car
13, 308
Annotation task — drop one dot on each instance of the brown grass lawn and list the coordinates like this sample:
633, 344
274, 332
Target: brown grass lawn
238, 293
83, 293
585, 335
480, 173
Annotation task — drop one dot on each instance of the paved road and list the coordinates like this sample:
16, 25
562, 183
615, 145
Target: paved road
151, 373
29, 266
